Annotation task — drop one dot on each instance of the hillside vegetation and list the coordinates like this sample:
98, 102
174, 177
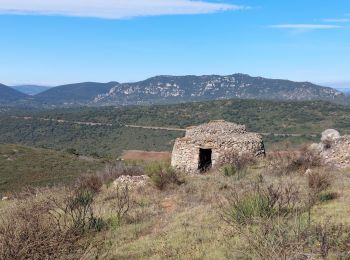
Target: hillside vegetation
22, 166
96, 141
259, 116
308, 119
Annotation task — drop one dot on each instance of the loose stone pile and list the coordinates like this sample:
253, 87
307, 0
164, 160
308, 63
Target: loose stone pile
221, 138
131, 181
334, 148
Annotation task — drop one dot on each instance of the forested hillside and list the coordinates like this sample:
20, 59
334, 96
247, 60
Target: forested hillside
8, 95
306, 119
73, 94
260, 116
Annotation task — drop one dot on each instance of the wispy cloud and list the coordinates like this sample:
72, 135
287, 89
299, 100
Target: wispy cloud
340, 20
305, 26
113, 9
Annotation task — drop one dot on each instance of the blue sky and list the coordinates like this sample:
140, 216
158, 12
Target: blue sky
64, 41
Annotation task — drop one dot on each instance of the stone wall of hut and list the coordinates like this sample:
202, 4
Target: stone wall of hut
221, 137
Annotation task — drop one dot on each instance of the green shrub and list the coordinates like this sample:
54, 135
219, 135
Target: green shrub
72, 151
324, 197
113, 222
97, 224
162, 175
79, 209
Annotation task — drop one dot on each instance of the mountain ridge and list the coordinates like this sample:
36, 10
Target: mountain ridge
166, 89
76, 93
8, 95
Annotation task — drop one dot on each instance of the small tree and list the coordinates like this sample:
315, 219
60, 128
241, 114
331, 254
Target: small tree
122, 203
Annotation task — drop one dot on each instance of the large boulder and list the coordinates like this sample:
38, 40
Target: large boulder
330, 135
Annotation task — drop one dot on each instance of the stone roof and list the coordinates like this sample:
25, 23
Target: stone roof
219, 131
215, 128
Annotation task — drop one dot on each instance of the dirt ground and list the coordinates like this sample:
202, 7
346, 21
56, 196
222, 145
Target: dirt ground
145, 156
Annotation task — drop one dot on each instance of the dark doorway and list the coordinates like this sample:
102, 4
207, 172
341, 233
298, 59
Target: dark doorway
204, 159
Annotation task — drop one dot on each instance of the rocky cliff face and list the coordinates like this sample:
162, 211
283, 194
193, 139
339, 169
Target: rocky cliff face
169, 89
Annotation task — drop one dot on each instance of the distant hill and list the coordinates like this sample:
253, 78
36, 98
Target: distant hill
74, 94
346, 91
174, 89
30, 89
9, 95
180, 89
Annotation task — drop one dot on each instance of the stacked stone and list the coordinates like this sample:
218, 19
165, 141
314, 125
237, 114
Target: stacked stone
131, 181
334, 148
213, 129
220, 136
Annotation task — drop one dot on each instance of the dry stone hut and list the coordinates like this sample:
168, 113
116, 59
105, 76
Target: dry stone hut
204, 146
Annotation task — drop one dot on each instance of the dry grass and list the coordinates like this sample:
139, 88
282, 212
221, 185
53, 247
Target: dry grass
338, 209
185, 221
29, 229
286, 162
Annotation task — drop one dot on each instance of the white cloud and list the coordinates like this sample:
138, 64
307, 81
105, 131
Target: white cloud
341, 20
112, 9
305, 26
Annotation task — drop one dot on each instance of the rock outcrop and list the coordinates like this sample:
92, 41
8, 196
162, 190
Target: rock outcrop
334, 148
